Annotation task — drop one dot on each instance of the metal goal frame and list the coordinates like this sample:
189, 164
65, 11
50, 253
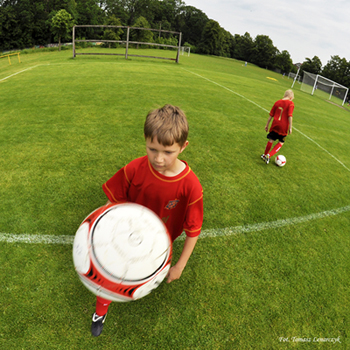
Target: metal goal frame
127, 42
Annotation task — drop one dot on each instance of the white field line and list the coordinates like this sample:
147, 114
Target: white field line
24, 70
228, 231
264, 109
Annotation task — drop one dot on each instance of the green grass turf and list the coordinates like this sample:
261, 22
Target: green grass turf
67, 125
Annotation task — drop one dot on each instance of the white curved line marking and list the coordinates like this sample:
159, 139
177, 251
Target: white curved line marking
228, 231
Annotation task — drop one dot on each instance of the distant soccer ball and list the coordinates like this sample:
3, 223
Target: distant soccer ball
122, 252
280, 160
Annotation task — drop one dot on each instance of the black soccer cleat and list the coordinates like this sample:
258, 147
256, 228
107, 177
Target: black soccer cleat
267, 158
97, 324
263, 157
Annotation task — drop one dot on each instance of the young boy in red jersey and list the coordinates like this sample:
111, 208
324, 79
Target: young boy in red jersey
282, 115
163, 183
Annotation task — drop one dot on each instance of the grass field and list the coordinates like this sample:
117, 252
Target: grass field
272, 267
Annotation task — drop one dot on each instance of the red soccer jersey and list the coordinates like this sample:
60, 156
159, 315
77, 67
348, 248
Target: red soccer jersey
281, 111
177, 200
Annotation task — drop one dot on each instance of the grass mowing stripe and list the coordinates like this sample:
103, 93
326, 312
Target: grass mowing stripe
228, 231
264, 109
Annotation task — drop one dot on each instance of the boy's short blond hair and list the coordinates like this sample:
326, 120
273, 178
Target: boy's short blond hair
168, 124
289, 94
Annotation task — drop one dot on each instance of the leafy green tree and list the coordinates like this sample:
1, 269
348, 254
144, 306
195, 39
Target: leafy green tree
61, 26
16, 20
313, 65
263, 52
338, 70
212, 39
141, 35
10, 32
227, 44
112, 33
191, 21
284, 62
242, 47
118, 9
89, 13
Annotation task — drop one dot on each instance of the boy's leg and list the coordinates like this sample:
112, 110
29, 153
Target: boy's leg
264, 156
102, 306
268, 147
98, 318
277, 147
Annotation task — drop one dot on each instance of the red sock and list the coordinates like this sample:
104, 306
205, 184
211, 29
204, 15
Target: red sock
102, 306
268, 147
277, 147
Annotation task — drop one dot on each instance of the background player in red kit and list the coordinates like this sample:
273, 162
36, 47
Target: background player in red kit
163, 183
282, 115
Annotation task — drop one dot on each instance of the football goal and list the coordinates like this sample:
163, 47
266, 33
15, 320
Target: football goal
295, 76
185, 49
99, 37
316, 84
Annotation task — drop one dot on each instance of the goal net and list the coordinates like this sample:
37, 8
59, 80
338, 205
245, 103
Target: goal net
295, 76
318, 85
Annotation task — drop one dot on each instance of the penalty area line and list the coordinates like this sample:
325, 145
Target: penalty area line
220, 232
264, 109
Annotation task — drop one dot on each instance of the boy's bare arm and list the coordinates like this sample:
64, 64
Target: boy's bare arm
290, 120
267, 124
176, 270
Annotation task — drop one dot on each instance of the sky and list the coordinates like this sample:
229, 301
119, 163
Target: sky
305, 28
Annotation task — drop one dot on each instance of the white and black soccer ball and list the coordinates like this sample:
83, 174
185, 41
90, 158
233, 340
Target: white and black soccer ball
280, 160
122, 252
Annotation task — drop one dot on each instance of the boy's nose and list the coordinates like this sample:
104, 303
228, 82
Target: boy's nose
159, 157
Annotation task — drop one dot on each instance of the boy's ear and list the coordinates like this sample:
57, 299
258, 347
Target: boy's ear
184, 146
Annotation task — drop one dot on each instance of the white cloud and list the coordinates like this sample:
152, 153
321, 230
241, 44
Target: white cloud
305, 28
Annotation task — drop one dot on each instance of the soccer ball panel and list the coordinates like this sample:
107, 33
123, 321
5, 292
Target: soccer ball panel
81, 250
152, 284
134, 249
122, 252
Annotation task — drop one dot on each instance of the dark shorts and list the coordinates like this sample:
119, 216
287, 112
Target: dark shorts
274, 136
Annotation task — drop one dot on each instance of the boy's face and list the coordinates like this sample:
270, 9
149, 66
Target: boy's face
164, 158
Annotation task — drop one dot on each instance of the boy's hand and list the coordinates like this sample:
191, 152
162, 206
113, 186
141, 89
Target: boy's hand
174, 274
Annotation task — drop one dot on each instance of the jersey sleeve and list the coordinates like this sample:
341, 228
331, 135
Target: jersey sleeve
290, 110
194, 215
272, 112
117, 187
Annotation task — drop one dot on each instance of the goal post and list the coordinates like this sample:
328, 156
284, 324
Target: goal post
185, 49
316, 84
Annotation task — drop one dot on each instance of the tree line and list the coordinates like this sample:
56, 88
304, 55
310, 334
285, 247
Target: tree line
27, 23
